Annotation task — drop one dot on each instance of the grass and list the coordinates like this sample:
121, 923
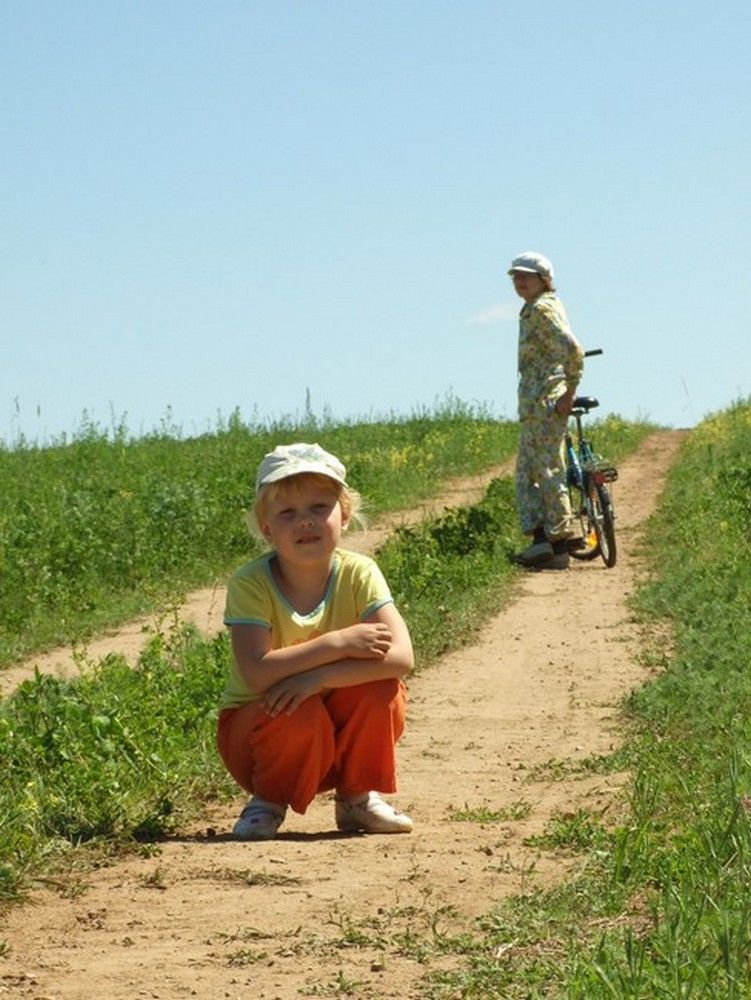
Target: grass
124, 755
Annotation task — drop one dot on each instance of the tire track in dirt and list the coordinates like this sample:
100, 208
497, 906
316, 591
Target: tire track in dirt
316, 912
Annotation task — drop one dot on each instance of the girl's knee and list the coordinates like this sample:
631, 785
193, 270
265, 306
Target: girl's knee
393, 690
380, 692
386, 696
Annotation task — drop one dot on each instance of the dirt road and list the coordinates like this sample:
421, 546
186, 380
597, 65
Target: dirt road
316, 913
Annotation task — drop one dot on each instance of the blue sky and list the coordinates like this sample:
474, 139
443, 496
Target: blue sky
216, 205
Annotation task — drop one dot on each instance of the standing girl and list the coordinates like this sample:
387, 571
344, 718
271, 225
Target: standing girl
315, 698
550, 367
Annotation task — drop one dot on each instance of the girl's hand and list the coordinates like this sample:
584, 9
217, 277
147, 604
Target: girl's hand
565, 403
366, 641
287, 695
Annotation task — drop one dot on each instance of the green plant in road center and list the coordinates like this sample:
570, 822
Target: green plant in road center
484, 814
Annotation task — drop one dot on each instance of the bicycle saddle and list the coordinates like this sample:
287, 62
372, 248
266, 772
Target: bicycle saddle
586, 403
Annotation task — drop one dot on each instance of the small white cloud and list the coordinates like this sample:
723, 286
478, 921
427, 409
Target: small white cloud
500, 313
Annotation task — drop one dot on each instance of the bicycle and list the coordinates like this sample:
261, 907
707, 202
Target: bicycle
588, 477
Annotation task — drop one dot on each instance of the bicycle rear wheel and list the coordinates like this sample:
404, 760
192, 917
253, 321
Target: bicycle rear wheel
589, 547
604, 525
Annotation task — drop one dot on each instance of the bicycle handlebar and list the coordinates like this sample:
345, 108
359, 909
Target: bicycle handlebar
596, 350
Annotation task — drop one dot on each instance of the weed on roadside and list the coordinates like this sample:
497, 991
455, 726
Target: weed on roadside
564, 770
574, 832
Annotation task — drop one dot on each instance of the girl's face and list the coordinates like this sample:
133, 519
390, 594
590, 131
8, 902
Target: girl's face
303, 519
528, 286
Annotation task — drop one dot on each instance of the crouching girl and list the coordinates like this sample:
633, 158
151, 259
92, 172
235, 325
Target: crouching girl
315, 698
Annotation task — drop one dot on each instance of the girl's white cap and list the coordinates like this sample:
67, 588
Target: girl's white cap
533, 263
294, 459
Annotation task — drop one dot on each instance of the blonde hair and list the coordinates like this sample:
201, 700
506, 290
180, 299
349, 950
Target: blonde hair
349, 500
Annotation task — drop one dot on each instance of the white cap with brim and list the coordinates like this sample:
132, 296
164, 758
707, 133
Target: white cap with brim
532, 263
293, 459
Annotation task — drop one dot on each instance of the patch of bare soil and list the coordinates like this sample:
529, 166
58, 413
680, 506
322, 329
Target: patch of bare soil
317, 913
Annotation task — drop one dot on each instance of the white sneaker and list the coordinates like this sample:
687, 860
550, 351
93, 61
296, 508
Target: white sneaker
259, 820
371, 815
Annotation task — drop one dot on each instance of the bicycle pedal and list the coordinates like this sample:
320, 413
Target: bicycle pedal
575, 544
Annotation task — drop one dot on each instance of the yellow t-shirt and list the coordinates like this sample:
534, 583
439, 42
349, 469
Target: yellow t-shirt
356, 588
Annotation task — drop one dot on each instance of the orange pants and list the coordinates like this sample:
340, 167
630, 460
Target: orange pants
345, 740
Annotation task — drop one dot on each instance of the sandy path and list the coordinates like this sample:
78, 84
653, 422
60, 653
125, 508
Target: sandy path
321, 914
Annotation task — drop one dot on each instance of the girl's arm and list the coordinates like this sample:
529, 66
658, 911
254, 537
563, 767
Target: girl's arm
261, 666
286, 695
396, 662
